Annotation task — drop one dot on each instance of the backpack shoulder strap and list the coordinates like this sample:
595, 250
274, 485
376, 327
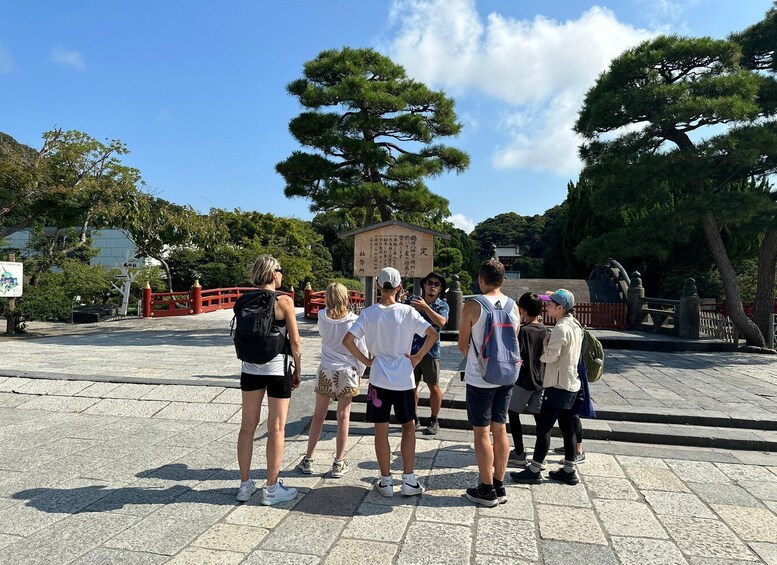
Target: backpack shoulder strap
487, 307
509, 305
485, 303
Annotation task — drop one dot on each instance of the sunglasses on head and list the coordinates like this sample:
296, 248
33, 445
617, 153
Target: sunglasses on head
279, 270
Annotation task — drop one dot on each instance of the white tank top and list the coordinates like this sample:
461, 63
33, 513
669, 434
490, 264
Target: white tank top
472, 373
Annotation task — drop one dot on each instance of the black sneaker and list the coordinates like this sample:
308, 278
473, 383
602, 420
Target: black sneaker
559, 449
501, 494
432, 428
526, 477
482, 496
562, 476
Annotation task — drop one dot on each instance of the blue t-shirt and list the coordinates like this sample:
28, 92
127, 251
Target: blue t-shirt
439, 307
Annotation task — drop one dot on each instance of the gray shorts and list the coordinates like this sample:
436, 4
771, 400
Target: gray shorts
526, 401
428, 370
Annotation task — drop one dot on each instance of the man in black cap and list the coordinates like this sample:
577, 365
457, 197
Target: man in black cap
435, 311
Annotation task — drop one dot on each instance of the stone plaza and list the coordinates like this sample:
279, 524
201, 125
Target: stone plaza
117, 445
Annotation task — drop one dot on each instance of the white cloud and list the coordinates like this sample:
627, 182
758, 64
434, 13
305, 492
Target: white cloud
462, 222
666, 15
6, 60
68, 57
538, 70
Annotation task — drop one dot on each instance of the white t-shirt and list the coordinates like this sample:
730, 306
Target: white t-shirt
334, 356
389, 331
472, 373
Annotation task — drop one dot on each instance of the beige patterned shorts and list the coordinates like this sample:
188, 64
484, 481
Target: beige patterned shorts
338, 384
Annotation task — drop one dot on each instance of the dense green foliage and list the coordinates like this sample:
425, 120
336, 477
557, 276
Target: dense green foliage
681, 139
371, 131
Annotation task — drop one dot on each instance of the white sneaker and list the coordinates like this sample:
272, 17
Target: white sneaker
340, 468
244, 493
385, 490
280, 494
306, 466
411, 490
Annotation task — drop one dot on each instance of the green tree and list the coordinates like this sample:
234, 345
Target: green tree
301, 251
644, 122
71, 185
371, 131
512, 229
156, 226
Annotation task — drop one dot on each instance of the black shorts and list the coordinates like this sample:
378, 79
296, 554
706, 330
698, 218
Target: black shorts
486, 405
277, 387
380, 401
428, 370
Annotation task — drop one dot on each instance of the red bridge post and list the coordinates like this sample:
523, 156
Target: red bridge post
147, 300
195, 298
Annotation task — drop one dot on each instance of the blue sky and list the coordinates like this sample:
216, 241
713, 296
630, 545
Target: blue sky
196, 89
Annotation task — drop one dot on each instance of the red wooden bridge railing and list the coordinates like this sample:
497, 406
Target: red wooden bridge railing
316, 300
196, 301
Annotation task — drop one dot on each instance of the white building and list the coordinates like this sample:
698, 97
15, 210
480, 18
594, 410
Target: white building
115, 248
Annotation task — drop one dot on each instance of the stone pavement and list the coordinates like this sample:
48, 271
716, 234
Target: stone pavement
118, 446
97, 489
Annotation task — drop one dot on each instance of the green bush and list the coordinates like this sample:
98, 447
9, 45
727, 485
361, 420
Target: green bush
56, 293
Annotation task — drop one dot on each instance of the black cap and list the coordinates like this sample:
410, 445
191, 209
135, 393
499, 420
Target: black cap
434, 275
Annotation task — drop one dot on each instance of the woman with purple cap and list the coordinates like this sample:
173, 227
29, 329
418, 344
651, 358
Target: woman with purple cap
561, 353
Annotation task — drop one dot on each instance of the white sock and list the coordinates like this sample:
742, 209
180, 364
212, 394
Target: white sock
534, 467
385, 481
271, 488
409, 478
247, 483
569, 467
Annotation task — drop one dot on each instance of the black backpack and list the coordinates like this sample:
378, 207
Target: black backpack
254, 329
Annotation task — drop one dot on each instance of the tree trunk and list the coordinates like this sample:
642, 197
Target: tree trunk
385, 212
764, 294
166, 267
717, 248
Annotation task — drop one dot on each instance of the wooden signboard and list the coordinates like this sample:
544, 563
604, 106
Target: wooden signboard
409, 251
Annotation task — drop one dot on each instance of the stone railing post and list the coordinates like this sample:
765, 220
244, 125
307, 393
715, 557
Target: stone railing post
634, 300
688, 312
455, 299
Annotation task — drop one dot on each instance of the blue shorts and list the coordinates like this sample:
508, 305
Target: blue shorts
486, 405
380, 401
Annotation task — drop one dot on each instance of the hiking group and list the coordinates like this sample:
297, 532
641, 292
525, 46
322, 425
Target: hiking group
512, 365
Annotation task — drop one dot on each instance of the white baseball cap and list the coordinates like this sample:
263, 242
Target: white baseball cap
389, 275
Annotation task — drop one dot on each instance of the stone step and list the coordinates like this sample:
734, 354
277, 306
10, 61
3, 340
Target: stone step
623, 431
649, 415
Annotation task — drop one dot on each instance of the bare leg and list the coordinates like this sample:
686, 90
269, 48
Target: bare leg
252, 406
435, 399
276, 428
501, 450
319, 414
484, 454
343, 422
408, 447
383, 449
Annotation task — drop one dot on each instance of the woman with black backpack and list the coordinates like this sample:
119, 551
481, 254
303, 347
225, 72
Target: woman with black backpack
274, 375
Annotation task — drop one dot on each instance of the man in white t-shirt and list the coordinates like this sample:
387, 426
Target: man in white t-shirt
388, 328
487, 404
